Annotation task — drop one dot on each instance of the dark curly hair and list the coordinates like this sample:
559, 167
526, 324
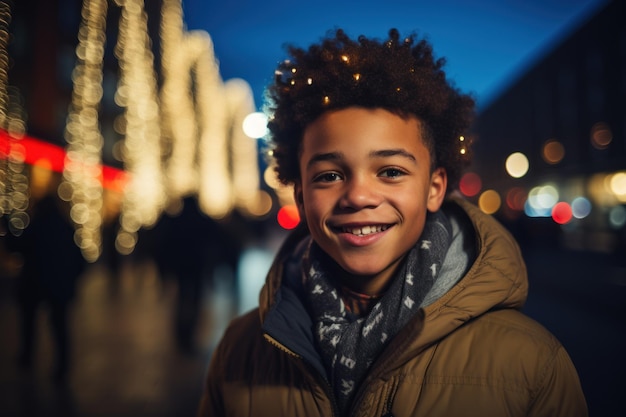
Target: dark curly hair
401, 76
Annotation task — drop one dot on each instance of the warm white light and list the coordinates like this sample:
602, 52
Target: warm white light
82, 168
543, 197
618, 185
255, 125
517, 165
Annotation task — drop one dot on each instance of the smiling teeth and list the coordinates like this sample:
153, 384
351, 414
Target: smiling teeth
365, 230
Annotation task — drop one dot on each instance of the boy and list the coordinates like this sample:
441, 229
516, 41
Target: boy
392, 299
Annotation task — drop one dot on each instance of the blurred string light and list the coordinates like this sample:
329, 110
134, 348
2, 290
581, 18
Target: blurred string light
14, 196
82, 171
196, 118
172, 148
144, 195
179, 54
245, 179
209, 153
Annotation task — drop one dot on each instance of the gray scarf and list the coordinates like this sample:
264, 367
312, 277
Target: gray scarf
349, 345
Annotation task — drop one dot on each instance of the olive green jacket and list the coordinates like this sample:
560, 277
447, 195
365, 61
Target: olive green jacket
470, 353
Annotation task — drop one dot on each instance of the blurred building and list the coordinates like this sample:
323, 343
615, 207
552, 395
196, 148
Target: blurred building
565, 119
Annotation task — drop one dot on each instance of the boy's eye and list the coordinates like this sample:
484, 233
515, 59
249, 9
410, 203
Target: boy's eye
392, 173
327, 177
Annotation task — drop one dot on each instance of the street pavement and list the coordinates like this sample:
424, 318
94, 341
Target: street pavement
126, 361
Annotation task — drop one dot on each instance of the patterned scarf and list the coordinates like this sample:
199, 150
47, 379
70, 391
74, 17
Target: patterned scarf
349, 345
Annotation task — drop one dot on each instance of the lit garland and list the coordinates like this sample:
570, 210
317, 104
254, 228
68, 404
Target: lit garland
137, 91
179, 127
82, 169
199, 156
187, 136
224, 173
245, 170
14, 196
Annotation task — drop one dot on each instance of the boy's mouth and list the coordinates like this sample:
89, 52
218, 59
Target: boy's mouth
365, 230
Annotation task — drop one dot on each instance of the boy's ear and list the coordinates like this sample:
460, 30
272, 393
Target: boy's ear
298, 198
437, 189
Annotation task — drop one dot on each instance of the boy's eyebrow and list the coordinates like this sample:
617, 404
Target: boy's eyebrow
321, 157
393, 152
383, 153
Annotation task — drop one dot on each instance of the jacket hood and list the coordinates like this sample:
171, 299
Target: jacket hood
497, 279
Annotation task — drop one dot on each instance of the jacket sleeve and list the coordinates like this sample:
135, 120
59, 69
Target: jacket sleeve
560, 393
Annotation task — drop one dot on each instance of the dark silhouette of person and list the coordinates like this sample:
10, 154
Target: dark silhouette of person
52, 263
191, 245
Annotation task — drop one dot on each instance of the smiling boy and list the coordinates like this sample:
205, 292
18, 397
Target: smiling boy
393, 298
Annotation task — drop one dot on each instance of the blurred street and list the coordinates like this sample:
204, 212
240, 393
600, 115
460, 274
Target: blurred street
125, 361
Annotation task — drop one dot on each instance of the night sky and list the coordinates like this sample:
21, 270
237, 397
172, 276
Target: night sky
487, 43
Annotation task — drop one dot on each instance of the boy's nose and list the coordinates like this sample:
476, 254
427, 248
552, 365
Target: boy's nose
359, 193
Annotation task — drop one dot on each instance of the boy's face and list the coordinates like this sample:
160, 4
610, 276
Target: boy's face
366, 185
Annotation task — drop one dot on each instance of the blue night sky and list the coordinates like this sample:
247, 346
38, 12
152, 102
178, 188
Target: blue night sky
487, 43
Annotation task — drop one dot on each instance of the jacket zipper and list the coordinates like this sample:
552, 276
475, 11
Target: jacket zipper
328, 389
390, 399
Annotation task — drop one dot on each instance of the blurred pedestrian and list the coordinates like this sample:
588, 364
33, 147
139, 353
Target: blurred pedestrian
191, 246
52, 264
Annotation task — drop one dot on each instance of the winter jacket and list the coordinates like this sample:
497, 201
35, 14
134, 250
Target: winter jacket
469, 353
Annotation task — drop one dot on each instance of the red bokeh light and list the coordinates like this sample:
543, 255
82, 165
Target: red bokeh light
515, 198
562, 213
470, 184
288, 217
42, 153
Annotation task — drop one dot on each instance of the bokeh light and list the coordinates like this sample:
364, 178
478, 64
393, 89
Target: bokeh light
255, 125
562, 212
470, 184
543, 197
517, 165
617, 185
288, 217
540, 201
581, 207
617, 217
553, 152
489, 201
515, 198
601, 135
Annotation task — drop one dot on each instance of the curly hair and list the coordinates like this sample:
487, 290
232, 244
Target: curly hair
402, 77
